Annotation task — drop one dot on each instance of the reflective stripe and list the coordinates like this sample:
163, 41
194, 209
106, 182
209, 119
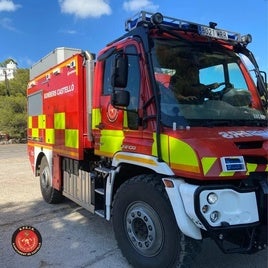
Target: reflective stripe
164, 146
111, 141
251, 167
50, 136
30, 122
35, 133
41, 121
59, 120
71, 138
178, 153
38, 131
96, 118
135, 159
154, 148
207, 163
125, 122
182, 156
187, 168
226, 174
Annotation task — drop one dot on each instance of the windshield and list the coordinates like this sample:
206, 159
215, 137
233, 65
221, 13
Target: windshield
202, 84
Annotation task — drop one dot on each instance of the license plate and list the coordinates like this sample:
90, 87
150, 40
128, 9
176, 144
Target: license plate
207, 31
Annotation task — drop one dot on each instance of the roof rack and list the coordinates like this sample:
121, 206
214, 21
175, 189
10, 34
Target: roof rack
147, 18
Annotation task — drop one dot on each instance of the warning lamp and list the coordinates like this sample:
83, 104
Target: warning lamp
205, 208
157, 18
246, 39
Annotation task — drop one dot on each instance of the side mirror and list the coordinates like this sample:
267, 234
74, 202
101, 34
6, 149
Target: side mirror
120, 72
120, 98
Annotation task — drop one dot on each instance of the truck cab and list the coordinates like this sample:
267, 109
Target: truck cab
178, 100
181, 86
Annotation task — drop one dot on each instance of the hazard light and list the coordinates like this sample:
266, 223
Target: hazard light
246, 39
157, 18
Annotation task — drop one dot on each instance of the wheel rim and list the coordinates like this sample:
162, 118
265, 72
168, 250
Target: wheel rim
144, 229
45, 178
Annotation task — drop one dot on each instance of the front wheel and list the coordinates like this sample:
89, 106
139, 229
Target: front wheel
145, 226
50, 195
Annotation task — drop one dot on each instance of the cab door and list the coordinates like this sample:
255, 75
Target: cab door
121, 128
109, 137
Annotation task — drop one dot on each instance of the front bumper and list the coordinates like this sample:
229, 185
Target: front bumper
236, 218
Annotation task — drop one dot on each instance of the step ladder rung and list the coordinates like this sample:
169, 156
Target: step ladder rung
99, 191
100, 213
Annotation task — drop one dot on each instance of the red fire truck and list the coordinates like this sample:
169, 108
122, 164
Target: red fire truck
164, 133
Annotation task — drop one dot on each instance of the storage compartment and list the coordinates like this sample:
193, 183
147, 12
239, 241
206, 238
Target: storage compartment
55, 57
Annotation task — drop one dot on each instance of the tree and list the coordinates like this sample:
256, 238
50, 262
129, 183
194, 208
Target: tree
13, 120
18, 85
13, 106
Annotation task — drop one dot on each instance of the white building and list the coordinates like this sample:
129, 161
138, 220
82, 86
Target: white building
8, 71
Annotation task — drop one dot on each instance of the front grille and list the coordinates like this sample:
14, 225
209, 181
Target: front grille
249, 145
256, 160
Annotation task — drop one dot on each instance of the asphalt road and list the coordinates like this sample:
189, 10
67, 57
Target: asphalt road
71, 236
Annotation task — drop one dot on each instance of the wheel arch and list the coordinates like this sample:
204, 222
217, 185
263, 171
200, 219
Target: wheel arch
126, 171
39, 154
185, 224
38, 163
128, 165
119, 175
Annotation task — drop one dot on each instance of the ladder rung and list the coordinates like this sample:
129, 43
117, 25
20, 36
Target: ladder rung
100, 213
99, 191
103, 170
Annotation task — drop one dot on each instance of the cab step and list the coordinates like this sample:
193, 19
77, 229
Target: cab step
99, 191
102, 170
100, 213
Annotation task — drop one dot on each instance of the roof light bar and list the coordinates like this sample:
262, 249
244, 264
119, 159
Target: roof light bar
146, 18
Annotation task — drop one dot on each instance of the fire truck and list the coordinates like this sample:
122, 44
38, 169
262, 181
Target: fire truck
163, 132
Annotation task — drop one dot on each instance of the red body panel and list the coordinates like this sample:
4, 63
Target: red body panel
63, 105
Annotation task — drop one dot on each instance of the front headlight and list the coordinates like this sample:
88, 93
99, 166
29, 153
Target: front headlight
212, 198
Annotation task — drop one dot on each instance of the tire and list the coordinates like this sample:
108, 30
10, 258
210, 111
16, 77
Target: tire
145, 227
50, 195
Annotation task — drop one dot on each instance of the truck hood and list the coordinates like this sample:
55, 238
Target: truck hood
223, 153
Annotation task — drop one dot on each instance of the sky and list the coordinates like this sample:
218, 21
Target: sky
30, 29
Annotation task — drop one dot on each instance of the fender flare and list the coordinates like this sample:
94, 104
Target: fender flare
185, 224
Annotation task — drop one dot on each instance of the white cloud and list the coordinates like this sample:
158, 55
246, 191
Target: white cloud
6, 23
8, 5
85, 8
68, 31
26, 62
136, 5
71, 32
